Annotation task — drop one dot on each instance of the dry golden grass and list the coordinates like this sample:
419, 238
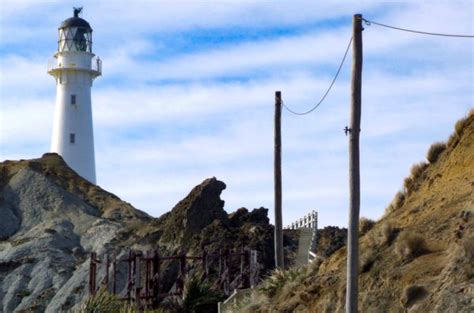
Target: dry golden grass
410, 245
367, 259
435, 151
412, 294
396, 203
365, 224
416, 174
431, 212
468, 247
459, 126
384, 234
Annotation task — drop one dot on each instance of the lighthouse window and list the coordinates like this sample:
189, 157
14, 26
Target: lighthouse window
73, 99
75, 39
80, 39
72, 138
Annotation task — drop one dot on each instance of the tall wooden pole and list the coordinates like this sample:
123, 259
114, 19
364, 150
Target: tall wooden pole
277, 171
352, 289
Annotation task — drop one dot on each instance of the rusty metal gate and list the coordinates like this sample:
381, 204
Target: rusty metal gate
144, 281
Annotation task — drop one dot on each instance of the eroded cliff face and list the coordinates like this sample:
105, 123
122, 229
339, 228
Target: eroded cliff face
51, 219
45, 242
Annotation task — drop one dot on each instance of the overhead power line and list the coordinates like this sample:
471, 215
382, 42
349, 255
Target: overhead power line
368, 23
327, 91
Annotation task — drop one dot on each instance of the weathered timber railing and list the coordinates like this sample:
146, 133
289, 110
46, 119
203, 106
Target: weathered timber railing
144, 282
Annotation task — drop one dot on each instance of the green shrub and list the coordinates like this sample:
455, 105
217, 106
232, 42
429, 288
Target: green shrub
102, 301
434, 152
274, 283
199, 297
410, 245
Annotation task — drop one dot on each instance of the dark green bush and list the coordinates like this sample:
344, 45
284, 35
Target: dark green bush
200, 297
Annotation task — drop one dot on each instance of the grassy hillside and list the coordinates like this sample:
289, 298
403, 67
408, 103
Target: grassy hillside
418, 258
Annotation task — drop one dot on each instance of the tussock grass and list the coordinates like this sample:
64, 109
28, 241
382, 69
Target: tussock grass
416, 171
104, 302
410, 245
459, 126
282, 286
367, 259
396, 203
388, 233
468, 247
413, 294
468, 256
384, 235
408, 184
257, 301
200, 297
365, 224
435, 151
275, 282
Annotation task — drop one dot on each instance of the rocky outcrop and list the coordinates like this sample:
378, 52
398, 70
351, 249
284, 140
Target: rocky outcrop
37, 260
51, 219
242, 216
197, 210
329, 240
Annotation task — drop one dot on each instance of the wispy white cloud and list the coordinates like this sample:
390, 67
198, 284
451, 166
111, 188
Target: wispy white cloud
164, 123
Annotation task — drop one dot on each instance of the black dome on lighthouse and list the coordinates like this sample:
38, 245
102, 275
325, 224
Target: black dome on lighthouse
75, 21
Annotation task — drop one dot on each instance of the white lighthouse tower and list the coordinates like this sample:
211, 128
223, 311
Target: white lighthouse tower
75, 67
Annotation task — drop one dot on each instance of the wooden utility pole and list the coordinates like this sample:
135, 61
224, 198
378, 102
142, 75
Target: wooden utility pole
277, 171
352, 288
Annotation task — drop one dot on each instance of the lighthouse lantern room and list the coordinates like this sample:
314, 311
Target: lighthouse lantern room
75, 67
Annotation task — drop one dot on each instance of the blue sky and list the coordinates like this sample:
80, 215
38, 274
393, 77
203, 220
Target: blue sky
188, 87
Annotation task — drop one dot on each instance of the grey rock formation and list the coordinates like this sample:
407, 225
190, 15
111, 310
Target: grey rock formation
44, 224
51, 219
9, 221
